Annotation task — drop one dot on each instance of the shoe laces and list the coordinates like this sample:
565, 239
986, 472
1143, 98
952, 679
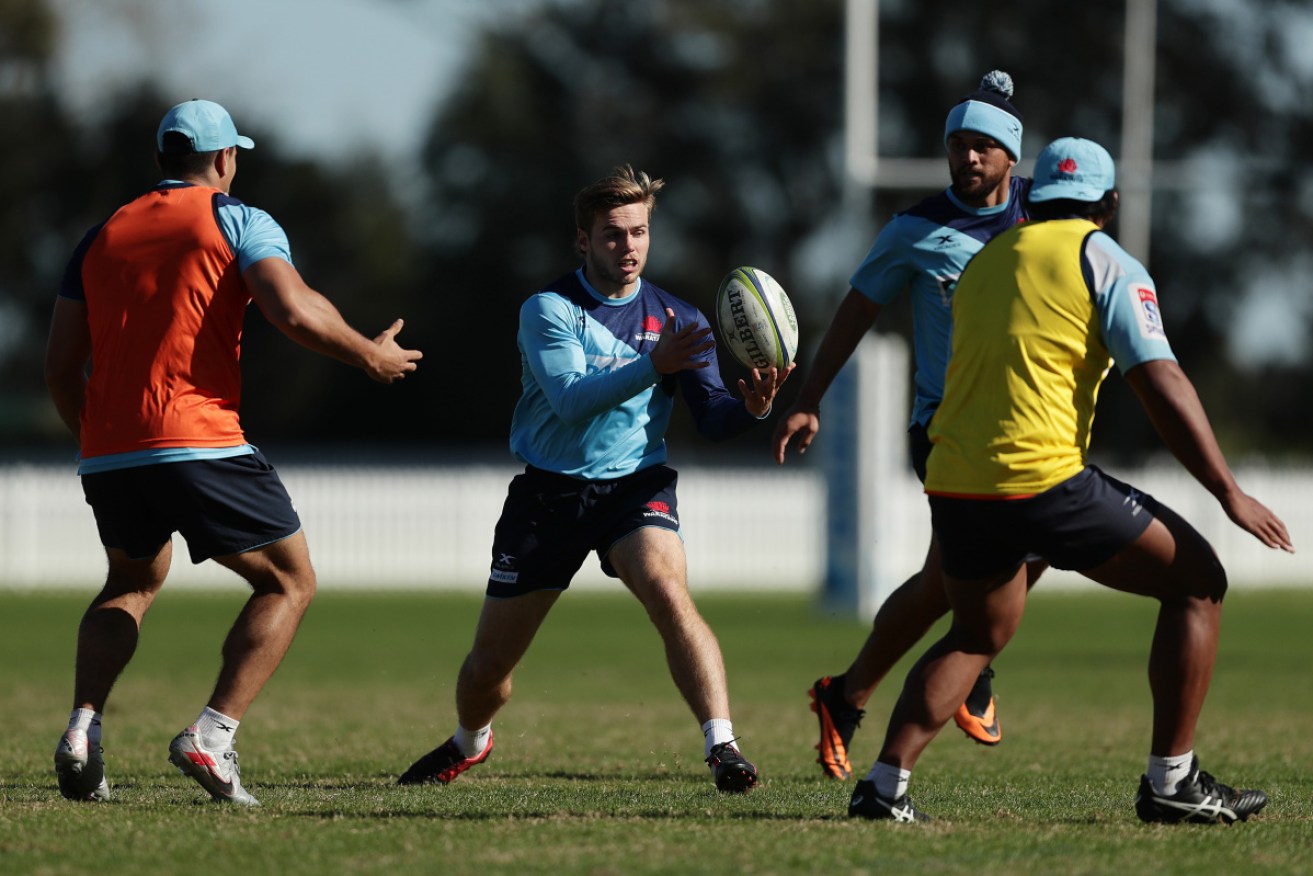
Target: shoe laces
1212, 787
230, 759
838, 704
719, 748
851, 713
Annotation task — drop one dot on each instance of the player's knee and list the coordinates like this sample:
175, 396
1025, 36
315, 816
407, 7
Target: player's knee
1214, 581
305, 588
300, 585
980, 635
667, 603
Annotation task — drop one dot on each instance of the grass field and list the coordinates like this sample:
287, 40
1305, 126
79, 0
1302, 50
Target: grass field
598, 763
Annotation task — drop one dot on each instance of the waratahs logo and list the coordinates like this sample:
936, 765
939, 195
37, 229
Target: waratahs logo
651, 329
1067, 167
662, 510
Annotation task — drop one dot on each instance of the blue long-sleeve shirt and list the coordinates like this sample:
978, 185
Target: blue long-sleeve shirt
593, 406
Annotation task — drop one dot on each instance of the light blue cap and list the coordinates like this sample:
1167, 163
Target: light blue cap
1073, 169
206, 124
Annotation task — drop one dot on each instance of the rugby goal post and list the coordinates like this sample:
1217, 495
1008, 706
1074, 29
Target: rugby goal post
877, 526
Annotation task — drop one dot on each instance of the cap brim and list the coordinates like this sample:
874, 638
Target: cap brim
246, 142
1064, 191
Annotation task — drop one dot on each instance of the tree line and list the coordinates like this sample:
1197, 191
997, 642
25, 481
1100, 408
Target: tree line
738, 105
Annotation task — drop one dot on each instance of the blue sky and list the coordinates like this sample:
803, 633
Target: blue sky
328, 76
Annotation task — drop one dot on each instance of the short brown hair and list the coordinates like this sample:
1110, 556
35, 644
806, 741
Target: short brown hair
624, 186
177, 159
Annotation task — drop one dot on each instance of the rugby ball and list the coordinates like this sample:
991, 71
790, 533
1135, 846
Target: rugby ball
756, 319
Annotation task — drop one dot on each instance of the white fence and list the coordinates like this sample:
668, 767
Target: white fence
414, 527
431, 527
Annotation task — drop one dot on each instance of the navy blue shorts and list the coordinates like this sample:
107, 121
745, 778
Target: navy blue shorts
1081, 523
221, 506
550, 522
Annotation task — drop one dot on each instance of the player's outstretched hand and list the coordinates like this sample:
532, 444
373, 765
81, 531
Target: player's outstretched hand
1258, 520
765, 385
393, 362
679, 348
800, 421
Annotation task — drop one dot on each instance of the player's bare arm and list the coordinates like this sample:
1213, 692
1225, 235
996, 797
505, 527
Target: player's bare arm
311, 320
765, 386
1174, 408
853, 319
679, 348
67, 352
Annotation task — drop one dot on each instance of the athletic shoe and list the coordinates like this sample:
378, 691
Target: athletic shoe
867, 803
1199, 799
215, 771
976, 716
734, 774
839, 719
443, 764
80, 768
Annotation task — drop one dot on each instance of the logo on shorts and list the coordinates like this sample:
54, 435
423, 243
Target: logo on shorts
1133, 499
662, 510
503, 570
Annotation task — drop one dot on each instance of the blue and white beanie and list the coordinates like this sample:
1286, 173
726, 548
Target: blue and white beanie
988, 111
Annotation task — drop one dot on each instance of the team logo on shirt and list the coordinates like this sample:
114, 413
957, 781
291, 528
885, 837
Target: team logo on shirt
1147, 313
651, 329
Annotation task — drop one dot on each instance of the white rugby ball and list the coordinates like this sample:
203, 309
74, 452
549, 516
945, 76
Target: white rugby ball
756, 319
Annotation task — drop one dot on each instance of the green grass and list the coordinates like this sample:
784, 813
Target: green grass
598, 763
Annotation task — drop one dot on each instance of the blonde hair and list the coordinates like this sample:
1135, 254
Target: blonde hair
624, 186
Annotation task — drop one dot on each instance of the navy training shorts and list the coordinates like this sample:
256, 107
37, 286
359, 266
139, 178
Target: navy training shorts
220, 506
550, 522
1081, 523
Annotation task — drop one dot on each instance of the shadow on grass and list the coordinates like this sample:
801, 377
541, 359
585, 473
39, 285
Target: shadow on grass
691, 813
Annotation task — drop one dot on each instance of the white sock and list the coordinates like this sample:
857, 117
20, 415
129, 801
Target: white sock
216, 729
1166, 773
716, 731
890, 781
472, 742
88, 720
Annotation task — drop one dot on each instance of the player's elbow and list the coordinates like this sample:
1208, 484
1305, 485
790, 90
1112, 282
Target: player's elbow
63, 379
571, 414
293, 319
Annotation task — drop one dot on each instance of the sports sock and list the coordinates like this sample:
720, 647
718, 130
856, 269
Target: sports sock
716, 731
890, 781
216, 729
88, 720
1166, 773
472, 742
